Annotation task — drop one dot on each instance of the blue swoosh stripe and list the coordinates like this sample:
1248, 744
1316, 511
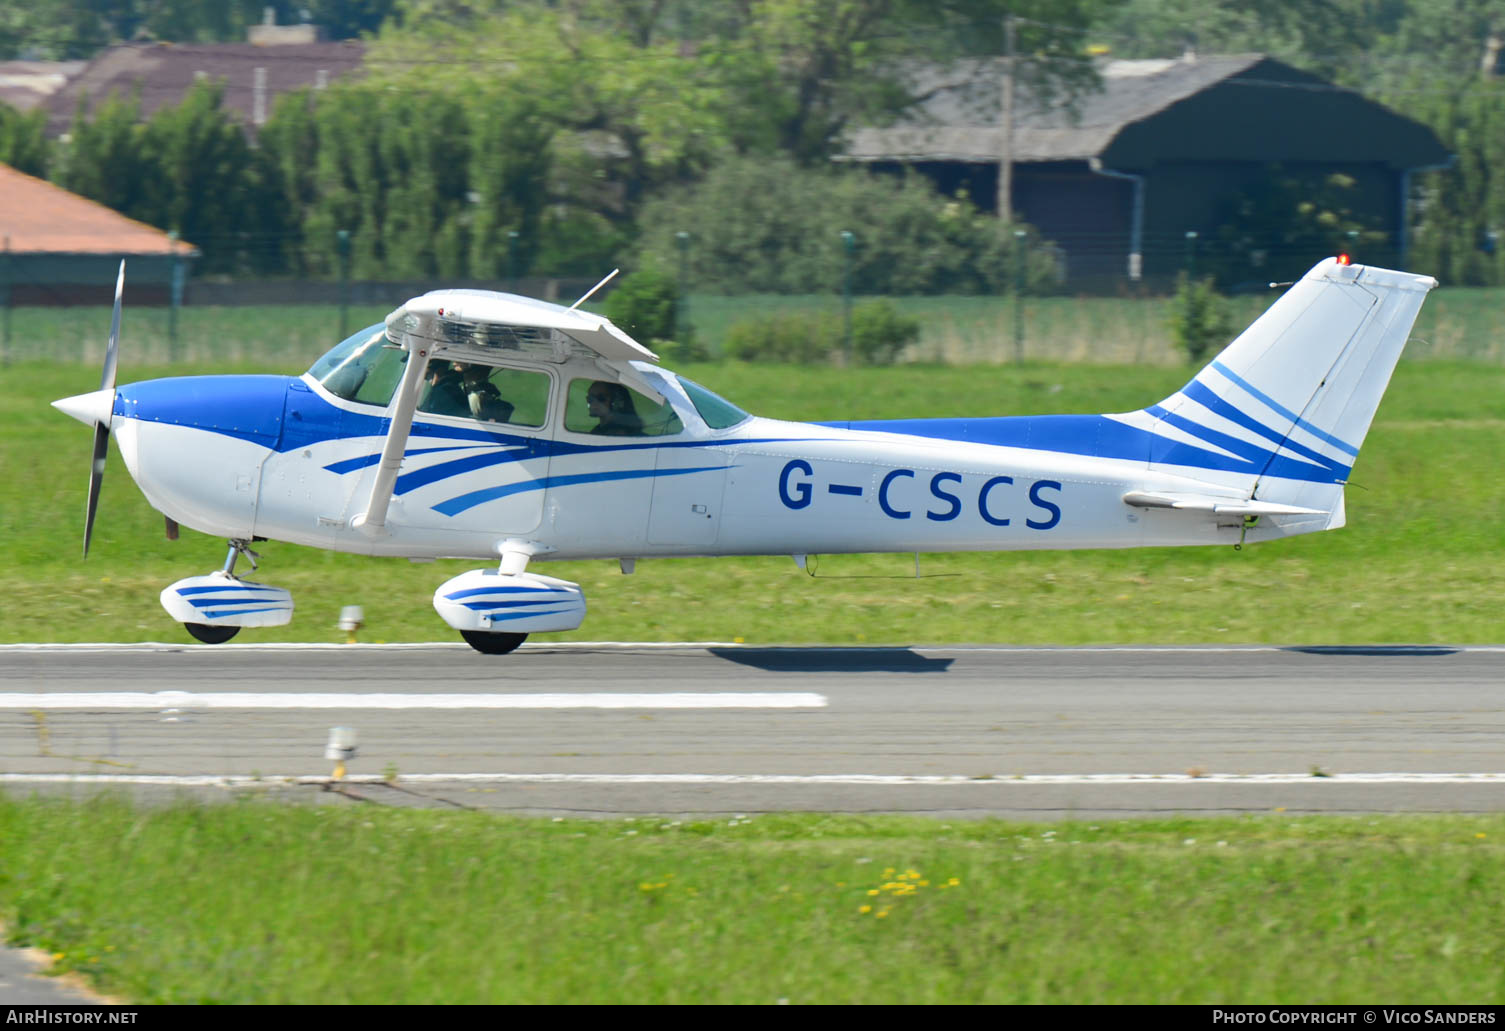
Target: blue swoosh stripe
457, 595
1275, 405
456, 467
1258, 459
242, 612
526, 615
186, 591
350, 465
465, 502
522, 449
1094, 436
493, 605
1204, 396
204, 603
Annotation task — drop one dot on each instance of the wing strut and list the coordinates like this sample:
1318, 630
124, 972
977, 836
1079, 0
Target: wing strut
373, 520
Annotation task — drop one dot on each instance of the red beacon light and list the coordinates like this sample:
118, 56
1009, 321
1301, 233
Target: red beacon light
1344, 259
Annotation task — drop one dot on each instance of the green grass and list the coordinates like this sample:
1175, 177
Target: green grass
252, 903
1421, 560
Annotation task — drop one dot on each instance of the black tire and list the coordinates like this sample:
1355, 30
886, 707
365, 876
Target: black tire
211, 634
489, 643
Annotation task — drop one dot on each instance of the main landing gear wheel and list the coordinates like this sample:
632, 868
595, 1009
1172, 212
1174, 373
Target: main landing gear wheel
211, 634
489, 643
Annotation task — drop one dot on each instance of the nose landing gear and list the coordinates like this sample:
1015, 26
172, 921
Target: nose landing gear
213, 608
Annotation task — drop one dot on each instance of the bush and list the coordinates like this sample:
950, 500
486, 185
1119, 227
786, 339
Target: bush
761, 225
1199, 319
879, 334
644, 304
678, 352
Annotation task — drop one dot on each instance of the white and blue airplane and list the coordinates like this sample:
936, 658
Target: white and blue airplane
507, 430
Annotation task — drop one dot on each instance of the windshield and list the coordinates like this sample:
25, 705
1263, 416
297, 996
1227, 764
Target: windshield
362, 368
718, 412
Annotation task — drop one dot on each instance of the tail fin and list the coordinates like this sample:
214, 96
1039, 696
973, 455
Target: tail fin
1287, 404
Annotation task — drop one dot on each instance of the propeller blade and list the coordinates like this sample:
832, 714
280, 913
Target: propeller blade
107, 377
96, 474
102, 429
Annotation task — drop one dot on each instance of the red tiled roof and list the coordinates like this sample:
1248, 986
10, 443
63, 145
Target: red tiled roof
40, 218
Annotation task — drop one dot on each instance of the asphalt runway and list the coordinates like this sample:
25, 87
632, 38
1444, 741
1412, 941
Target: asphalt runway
1041, 733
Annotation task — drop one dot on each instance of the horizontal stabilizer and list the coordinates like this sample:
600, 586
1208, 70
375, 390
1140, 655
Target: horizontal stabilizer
1213, 505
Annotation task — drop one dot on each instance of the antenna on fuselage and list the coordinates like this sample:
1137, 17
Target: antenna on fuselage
609, 276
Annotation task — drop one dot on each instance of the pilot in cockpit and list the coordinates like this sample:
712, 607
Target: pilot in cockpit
482, 398
446, 394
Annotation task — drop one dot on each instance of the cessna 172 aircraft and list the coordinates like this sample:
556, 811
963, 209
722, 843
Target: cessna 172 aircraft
499, 428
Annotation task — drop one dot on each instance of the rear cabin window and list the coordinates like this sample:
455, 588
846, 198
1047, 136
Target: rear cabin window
606, 409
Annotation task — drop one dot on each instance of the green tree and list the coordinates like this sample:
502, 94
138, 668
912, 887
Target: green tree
797, 74
1199, 319
510, 162
23, 141
1460, 232
106, 158
767, 225
645, 304
78, 29
1277, 228
286, 159
202, 183
1328, 37
629, 111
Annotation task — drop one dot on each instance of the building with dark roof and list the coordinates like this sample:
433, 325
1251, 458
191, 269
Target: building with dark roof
254, 75
59, 248
25, 85
1160, 153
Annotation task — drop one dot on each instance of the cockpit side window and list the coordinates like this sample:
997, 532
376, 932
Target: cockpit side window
469, 390
608, 409
362, 368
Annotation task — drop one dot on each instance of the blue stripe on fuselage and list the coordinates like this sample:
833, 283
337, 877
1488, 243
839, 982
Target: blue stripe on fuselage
1097, 436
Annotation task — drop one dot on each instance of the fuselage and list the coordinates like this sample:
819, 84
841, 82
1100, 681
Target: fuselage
288, 459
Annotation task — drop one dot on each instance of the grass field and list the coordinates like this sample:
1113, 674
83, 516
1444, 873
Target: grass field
1420, 561
250, 903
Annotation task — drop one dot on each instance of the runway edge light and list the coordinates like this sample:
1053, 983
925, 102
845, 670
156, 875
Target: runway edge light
341, 749
352, 618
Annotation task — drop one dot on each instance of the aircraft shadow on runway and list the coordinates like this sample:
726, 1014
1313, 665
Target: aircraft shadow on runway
834, 660
1373, 649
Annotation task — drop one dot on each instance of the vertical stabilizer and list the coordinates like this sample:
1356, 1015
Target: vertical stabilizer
1284, 408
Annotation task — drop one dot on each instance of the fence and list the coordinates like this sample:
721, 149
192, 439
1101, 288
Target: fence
1460, 323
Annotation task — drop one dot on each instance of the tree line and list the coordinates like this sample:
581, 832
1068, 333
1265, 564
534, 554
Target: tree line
497, 138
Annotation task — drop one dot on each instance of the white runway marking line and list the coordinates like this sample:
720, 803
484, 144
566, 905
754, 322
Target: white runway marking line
857, 779
116, 700
568, 646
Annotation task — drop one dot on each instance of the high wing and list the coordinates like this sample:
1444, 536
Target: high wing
507, 322
483, 325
